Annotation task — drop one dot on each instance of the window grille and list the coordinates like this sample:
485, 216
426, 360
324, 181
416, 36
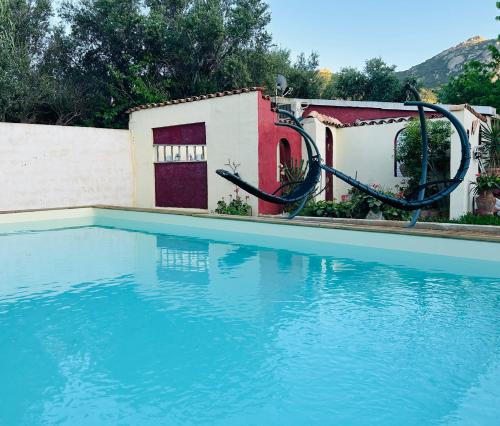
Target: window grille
180, 153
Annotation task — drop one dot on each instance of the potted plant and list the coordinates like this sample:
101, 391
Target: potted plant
483, 192
490, 148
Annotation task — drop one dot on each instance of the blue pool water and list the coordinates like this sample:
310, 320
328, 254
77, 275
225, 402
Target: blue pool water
108, 326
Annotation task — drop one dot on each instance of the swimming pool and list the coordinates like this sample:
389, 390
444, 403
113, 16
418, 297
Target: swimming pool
134, 318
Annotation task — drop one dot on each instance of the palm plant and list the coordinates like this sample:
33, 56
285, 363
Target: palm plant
490, 145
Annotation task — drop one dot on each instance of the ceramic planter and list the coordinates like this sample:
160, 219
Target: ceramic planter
485, 202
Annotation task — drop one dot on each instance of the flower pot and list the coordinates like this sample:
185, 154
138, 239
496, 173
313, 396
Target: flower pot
493, 171
485, 202
374, 215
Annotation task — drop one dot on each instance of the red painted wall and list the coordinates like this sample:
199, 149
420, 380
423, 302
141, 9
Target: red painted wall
348, 115
181, 185
269, 138
184, 134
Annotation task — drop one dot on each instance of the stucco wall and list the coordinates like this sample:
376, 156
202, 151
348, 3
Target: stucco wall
231, 133
56, 166
461, 199
366, 152
317, 131
268, 147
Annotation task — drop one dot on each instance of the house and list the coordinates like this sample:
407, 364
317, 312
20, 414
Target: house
178, 146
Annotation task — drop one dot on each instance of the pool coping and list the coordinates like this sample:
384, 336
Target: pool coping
488, 233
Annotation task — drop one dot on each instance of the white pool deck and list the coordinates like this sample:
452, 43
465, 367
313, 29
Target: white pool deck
464, 241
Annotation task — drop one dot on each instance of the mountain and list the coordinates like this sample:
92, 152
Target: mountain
440, 68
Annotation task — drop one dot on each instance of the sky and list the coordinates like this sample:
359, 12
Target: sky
402, 32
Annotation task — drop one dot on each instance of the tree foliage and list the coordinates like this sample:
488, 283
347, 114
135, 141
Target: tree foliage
409, 151
91, 60
376, 82
104, 56
23, 40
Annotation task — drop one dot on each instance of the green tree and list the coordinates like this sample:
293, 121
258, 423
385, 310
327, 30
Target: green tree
24, 33
105, 56
305, 78
409, 151
128, 52
377, 82
382, 84
208, 45
349, 84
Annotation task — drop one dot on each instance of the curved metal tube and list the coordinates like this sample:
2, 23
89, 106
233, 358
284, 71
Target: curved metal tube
425, 152
405, 204
305, 188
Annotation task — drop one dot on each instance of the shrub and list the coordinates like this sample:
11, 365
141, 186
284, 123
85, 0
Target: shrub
237, 206
467, 219
357, 207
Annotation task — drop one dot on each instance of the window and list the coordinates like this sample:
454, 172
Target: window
183, 143
284, 158
180, 153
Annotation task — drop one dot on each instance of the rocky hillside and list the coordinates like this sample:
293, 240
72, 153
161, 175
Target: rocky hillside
440, 68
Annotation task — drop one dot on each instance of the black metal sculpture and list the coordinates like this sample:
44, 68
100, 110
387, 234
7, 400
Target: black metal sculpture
304, 189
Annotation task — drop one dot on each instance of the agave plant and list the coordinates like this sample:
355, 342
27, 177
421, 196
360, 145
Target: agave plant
490, 145
291, 175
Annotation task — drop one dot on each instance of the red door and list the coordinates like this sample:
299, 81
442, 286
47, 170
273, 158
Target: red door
181, 184
181, 166
329, 162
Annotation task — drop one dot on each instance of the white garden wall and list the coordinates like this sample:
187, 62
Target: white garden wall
57, 166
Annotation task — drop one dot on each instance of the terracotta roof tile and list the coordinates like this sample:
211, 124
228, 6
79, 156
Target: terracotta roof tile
198, 98
474, 112
331, 121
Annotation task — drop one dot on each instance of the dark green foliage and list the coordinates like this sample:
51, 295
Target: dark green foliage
23, 40
87, 63
236, 206
105, 56
349, 84
467, 219
377, 82
382, 84
357, 206
409, 152
304, 77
